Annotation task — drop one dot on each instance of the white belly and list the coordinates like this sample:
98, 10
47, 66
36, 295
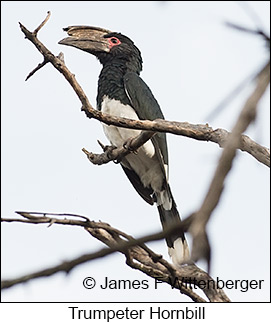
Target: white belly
145, 163
118, 136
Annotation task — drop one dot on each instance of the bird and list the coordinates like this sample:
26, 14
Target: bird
123, 93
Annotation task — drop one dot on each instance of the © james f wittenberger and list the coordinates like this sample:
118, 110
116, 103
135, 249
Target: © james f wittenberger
122, 284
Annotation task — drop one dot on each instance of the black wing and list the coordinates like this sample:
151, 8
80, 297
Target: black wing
147, 108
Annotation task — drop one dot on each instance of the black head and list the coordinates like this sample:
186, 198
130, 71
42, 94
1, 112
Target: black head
107, 46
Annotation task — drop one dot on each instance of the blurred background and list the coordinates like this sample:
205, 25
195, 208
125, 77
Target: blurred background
191, 61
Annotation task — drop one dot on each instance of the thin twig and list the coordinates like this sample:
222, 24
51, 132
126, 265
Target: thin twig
36, 69
35, 32
249, 30
28, 215
251, 13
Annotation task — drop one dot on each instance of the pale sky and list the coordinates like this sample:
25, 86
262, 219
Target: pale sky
191, 61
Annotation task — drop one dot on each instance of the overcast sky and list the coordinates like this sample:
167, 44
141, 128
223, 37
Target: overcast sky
191, 61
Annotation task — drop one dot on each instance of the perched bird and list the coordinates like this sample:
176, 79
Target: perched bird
122, 93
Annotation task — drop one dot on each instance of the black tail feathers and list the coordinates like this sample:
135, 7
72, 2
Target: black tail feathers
169, 216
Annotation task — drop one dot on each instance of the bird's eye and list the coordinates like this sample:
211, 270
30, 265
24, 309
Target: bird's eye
114, 41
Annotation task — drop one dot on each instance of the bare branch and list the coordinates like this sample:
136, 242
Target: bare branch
218, 136
138, 256
249, 30
36, 69
112, 153
201, 248
29, 215
246, 144
35, 32
33, 219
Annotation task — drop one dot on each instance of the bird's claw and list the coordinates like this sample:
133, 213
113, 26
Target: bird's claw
108, 150
127, 145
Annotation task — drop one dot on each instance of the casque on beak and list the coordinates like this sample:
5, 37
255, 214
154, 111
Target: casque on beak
87, 38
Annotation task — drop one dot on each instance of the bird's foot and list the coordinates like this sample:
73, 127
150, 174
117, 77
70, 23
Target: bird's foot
109, 150
128, 145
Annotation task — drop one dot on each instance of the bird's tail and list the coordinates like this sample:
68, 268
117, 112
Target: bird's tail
169, 216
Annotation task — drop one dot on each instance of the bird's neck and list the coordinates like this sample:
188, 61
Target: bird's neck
111, 83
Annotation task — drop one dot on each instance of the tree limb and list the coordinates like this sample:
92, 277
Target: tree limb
138, 256
201, 247
219, 136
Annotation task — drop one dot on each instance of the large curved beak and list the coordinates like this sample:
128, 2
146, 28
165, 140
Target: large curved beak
87, 38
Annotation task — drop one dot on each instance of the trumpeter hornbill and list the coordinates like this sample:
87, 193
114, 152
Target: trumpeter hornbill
122, 93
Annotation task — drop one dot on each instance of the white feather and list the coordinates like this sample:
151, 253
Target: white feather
164, 199
179, 253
